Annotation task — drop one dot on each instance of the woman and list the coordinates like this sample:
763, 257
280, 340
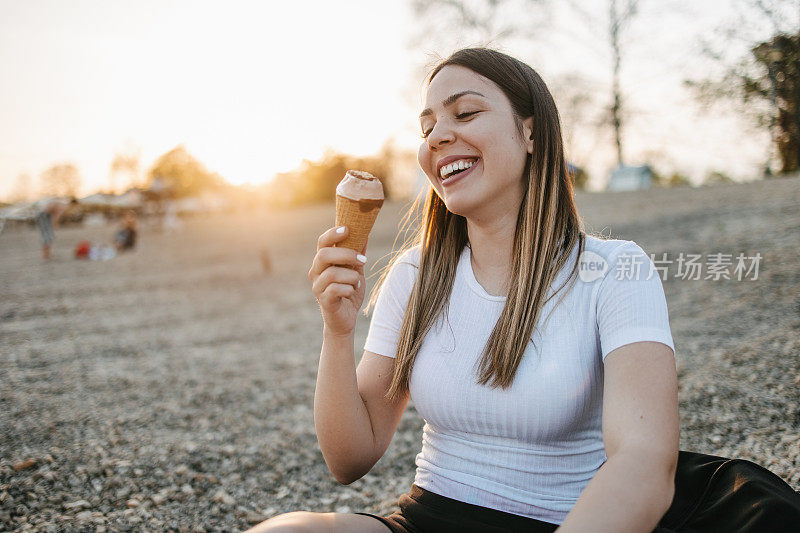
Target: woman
541, 412
514, 414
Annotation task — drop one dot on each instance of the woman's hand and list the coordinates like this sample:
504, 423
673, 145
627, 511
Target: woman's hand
337, 277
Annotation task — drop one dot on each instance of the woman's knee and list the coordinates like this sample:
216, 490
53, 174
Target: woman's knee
294, 522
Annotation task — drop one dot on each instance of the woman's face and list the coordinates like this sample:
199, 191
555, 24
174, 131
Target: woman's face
468, 124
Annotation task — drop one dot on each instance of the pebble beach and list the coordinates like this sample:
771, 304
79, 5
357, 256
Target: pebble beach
171, 388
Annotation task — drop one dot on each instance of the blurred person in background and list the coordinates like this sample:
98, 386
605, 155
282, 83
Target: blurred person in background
48, 219
125, 238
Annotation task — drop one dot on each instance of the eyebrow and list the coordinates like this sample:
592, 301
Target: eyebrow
450, 100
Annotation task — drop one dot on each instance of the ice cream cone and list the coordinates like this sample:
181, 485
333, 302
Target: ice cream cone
359, 198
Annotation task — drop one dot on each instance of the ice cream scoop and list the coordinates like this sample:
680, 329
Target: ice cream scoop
359, 197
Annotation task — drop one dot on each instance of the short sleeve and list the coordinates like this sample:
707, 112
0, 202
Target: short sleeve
387, 316
631, 305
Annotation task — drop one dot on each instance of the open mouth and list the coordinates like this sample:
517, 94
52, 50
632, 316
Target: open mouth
456, 167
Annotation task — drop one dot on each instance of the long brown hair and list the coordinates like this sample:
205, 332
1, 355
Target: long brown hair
548, 228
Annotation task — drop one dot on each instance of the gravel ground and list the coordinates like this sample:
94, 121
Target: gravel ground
172, 388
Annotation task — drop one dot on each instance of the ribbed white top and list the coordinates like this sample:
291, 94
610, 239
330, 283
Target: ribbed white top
531, 449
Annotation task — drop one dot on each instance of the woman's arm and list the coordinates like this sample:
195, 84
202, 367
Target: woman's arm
635, 486
354, 422
354, 425
344, 430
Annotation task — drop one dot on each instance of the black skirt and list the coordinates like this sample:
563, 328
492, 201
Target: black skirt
717, 494
712, 495
422, 511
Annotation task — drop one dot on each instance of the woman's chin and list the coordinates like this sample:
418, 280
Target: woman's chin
451, 204
460, 202
459, 206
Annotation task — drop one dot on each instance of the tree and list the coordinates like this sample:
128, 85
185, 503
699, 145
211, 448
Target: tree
61, 180
492, 20
578, 108
183, 174
125, 164
617, 21
780, 57
762, 75
316, 181
619, 17
471, 23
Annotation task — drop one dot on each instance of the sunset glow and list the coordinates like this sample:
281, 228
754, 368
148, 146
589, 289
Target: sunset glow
253, 88
250, 89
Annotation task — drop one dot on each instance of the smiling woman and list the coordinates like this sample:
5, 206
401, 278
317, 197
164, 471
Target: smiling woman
490, 140
541, 413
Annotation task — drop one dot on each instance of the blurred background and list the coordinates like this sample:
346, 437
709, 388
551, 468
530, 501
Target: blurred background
104, 97
158, 337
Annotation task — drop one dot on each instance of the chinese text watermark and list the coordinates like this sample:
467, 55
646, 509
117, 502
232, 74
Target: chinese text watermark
687, 266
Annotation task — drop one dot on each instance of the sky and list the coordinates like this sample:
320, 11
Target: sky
253, 88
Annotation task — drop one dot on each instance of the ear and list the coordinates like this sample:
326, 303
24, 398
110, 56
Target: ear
527, 130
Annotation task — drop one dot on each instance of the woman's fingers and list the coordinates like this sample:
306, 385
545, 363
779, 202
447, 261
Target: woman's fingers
328, 255
332, 236
335, 291
336, 276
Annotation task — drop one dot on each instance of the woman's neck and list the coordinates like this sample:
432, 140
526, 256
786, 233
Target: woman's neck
491, 248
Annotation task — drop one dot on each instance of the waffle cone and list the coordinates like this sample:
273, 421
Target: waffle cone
359, 218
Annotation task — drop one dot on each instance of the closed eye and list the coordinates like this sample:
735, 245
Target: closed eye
460, 116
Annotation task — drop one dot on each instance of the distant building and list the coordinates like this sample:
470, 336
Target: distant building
630, 178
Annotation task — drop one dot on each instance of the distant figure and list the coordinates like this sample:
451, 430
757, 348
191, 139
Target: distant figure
47, 219
266, 261
125, 238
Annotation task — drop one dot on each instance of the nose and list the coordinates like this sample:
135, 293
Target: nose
441, 134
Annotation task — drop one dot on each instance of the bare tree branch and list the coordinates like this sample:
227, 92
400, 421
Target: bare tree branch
764, 79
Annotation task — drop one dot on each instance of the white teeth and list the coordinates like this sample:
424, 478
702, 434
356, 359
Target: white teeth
461, 164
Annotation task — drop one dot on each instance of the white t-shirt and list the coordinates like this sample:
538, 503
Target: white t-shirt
531, 449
